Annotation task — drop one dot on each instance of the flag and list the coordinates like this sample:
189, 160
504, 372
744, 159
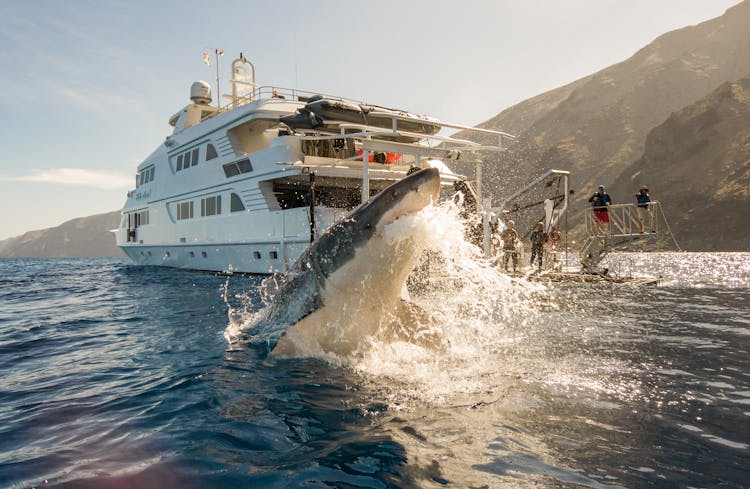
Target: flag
206, 59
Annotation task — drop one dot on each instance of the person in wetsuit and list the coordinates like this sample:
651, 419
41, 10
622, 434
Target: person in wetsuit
510, 237
538, 238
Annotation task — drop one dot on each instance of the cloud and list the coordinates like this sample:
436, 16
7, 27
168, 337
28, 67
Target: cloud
76, 176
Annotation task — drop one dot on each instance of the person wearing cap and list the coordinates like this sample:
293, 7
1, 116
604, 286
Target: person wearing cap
510, 237
600, 202
643, 209
538, 238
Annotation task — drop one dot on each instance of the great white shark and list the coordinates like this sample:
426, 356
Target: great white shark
348, 285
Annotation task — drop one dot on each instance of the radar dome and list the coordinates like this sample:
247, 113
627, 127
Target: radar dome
200, 92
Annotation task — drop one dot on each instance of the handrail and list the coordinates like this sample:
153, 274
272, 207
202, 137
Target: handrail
622, 231
624, 219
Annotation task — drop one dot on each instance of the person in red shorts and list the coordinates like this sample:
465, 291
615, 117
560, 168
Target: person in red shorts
600, 202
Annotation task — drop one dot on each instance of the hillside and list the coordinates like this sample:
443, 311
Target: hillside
85, 236
701, 154
596, 127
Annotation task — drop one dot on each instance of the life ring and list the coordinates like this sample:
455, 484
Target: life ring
458, 199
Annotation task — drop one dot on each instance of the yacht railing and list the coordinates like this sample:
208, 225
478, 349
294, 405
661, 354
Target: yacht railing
293, 94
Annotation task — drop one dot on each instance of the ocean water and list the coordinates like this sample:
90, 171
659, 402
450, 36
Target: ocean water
113, 375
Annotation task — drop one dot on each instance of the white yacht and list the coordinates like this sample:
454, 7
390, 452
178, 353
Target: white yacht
247, 186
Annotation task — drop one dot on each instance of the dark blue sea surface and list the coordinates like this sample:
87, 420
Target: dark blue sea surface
113, 375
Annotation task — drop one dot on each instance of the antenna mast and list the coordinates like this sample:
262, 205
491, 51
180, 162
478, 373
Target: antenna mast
218, 53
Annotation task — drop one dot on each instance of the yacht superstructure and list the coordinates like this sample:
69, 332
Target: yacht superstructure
246, 187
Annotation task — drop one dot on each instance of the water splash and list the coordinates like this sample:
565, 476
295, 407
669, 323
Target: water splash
477, 314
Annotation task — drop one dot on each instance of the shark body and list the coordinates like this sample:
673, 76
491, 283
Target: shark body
349, 283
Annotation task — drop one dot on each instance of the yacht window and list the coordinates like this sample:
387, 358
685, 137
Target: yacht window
144, 176
211, 152
211, 206
142, 218
185, 210
231, 170
237, 167
274, 255
244, 166
188, 159
204, 254
235, 203
256, 255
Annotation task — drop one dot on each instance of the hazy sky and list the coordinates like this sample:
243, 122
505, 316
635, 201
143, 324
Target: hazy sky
88, 86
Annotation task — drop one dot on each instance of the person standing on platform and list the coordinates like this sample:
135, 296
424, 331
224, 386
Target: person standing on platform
643, 209
600, 203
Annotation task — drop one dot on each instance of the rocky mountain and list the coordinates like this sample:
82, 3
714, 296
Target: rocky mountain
85, 236
597, 126
702, 154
